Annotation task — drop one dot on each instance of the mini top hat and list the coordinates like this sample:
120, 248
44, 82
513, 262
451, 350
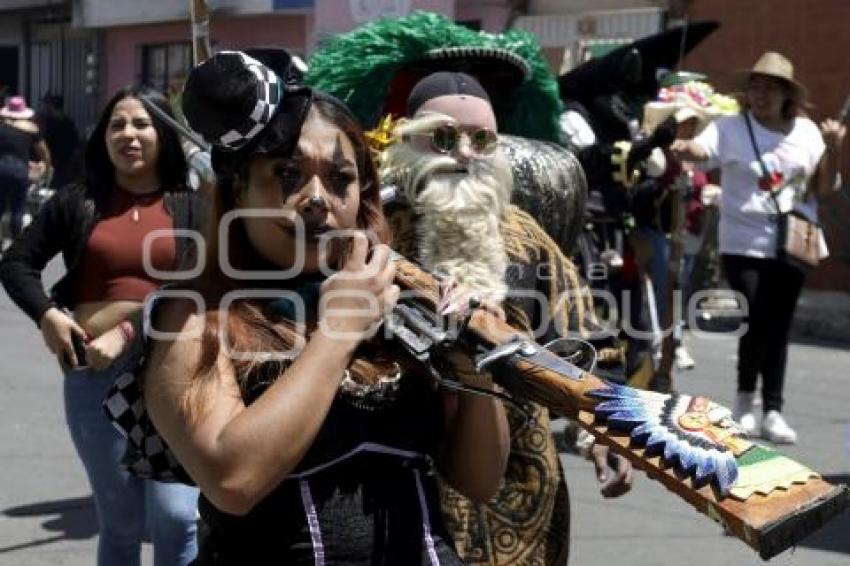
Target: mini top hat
776, 65
16, 108
233, 97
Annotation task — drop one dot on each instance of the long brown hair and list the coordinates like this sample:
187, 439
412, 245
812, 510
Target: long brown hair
247, 328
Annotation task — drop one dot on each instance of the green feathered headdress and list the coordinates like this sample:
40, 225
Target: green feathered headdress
362, 66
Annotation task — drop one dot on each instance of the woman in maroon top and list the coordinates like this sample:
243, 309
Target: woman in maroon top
134, 188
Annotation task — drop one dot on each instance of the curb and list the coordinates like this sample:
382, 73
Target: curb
822, 315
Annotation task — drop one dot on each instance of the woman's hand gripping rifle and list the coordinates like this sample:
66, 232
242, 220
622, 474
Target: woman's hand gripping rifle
688, 443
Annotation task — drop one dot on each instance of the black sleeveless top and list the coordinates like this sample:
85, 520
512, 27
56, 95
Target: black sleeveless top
365, 493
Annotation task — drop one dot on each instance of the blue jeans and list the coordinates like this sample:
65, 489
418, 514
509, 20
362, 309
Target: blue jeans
128, 508
657, 268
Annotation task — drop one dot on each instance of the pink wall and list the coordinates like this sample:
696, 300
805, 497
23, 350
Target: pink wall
335, 16
297, 32
122, 43
493, 17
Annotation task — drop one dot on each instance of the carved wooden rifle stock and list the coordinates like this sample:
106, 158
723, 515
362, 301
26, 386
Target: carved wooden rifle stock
689, 444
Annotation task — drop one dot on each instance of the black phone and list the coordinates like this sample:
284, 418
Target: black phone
79, 350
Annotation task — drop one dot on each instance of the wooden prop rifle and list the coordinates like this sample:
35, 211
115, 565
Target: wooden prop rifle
689, 444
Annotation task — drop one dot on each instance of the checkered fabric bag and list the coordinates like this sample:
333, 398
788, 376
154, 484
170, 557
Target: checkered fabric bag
147, 455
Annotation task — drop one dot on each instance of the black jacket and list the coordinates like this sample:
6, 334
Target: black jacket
64, 225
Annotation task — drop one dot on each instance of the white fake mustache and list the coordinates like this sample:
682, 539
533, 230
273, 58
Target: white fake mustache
442, 182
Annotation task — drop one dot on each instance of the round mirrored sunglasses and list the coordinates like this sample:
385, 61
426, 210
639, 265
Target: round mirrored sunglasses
446, 139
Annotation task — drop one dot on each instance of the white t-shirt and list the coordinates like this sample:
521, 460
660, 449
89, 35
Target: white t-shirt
748, 214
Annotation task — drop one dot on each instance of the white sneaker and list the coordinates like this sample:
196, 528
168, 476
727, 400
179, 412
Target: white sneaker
683, 358
775, 429
744, 415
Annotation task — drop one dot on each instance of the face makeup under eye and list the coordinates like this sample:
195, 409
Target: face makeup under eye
289, 176
340, 179
292, 176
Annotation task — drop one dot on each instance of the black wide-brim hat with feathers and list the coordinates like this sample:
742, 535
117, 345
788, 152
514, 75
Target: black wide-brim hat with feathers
246, 102
663, 50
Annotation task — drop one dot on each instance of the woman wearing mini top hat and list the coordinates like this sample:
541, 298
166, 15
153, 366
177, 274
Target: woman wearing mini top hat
135, 185
20, 141
311, 442
760, 171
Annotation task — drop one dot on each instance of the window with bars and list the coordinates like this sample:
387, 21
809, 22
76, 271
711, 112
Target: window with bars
165, 66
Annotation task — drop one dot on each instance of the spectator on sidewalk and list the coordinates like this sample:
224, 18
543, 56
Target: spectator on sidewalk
789, 146
135, 185
23, 154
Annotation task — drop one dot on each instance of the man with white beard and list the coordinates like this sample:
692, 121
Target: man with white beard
456, 218
460, 200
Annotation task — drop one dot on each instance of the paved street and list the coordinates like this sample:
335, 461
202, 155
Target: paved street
652, 527
46, 515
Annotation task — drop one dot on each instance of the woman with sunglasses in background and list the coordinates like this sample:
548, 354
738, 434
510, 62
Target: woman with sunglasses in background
135, 185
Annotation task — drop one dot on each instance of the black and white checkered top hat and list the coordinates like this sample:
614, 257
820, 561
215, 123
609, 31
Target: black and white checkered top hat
230, 98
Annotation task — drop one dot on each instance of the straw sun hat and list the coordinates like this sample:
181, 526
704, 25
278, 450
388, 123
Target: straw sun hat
776, 65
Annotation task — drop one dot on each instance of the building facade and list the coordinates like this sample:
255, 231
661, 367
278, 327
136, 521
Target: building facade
87, 49
42, 53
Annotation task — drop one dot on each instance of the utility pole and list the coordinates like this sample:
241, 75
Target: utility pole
517, 8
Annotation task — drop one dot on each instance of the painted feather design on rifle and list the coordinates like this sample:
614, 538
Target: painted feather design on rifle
761, 470
693, 434
699, 439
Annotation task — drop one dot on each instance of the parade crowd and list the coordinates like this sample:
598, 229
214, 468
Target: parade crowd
233, 379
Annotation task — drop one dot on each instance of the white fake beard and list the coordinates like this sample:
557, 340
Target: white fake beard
460, 214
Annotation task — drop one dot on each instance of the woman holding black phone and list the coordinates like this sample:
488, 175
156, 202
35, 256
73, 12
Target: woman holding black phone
135, 184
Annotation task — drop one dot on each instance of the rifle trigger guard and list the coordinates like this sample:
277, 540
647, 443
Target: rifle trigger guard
455, 385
